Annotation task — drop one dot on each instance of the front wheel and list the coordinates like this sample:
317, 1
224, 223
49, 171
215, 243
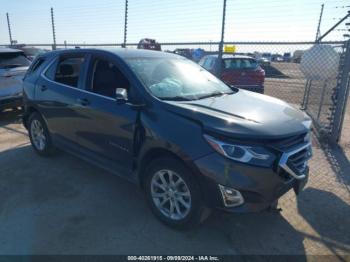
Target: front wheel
173, 195
39, 135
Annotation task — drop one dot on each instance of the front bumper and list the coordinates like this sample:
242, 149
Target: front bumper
10, 102
259, 186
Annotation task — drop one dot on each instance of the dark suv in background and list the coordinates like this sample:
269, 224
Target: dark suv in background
237, 70
157, 119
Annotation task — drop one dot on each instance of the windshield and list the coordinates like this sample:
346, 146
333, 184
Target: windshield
10, 60
240, 63
177, 79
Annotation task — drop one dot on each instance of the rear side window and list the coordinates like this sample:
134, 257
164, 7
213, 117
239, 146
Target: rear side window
68, 71
202, 61
209, 63
240, 63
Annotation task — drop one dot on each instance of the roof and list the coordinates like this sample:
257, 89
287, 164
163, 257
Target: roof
10, 50
230, 56
124, 52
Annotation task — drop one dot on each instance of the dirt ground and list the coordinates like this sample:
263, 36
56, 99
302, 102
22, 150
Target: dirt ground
63, 205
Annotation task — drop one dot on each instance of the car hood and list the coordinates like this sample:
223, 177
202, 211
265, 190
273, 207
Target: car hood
11, 81
244, 115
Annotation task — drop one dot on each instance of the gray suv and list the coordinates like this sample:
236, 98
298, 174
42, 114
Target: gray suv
189, 140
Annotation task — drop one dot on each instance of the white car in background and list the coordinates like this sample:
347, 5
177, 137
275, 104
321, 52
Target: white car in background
13, 66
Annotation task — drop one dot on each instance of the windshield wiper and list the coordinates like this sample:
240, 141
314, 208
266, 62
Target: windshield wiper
215, 94
176, 98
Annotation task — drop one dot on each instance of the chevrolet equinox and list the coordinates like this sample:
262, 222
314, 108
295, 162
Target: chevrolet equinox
163, 122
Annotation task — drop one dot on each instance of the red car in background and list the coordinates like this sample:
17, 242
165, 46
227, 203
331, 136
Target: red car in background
237, 70
149, 44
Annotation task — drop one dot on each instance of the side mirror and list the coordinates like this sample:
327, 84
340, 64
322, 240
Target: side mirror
121, 95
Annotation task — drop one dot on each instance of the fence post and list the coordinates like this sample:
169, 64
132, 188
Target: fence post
319, 24
341, 96
53, 30
221, 45
9, 27
125, 22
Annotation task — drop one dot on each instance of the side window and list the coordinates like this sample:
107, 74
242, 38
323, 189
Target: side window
206, 62
50, 72
107, 78
68, 70
202, 61
229, 64
209, 63
37, 63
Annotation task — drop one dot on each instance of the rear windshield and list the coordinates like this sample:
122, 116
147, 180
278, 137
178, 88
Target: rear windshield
11, 60
240, 63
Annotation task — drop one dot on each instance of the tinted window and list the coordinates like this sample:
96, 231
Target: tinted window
107, 78
240, 63
11, 60
68, 71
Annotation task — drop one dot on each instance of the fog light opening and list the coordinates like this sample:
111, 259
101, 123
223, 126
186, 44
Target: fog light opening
231, 197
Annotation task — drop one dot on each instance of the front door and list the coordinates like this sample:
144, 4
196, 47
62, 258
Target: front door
106, 127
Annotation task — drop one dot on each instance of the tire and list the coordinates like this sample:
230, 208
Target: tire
187, 213
45, 147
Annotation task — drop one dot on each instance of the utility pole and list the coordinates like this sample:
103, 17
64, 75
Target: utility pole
221, 45
319, 24
9, 27
125, 22
53, 30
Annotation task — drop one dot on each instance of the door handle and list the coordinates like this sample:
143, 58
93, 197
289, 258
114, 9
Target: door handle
83, 101
43, 88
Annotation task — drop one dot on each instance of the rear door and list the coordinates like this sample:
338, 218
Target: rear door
57, 94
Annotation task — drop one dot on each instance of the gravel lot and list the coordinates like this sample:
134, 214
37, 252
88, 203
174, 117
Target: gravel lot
62, 205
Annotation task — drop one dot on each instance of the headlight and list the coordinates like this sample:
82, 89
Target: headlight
255, 155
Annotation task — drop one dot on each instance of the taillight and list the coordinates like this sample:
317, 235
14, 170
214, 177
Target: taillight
261, 74
261, 71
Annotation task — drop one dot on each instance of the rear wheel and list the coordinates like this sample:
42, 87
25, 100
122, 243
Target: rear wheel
39, 135
173, 195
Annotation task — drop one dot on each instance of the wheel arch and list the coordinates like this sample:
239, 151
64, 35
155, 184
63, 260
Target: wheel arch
160, 152
28, 111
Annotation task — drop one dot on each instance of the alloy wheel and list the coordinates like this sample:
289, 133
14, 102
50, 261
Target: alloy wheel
38, 135
170, 194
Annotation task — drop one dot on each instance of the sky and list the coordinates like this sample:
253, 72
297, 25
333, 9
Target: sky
92, 21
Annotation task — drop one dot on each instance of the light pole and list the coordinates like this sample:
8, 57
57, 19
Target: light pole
221, 45
9, 27
53, 30
125, 23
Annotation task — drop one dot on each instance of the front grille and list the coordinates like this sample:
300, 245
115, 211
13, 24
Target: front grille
298, 161
284, 175
285, 144
295, 152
